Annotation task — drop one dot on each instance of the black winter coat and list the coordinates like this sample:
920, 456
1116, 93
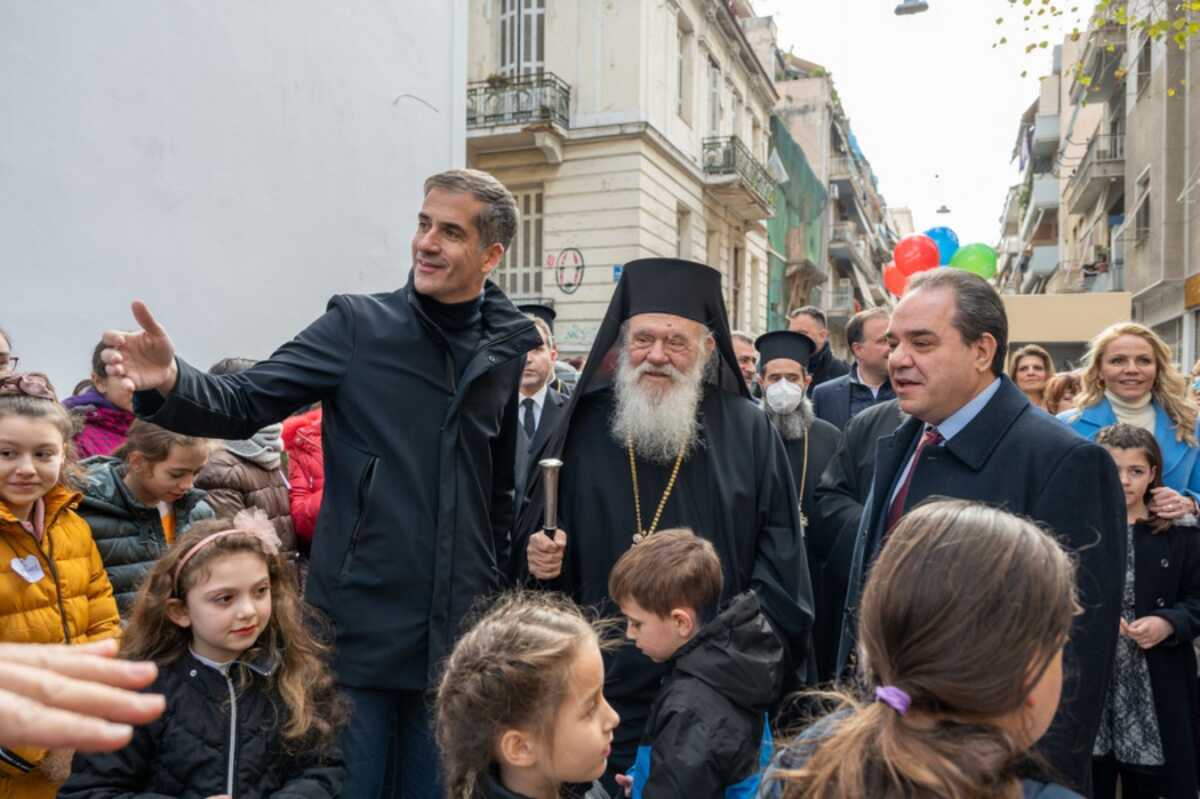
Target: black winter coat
186, 753
825, 366
1167, 584
705, 728
418, 468
1015, 456
839, 498
129, 534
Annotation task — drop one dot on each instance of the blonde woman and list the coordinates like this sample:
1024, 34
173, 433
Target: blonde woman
1031, 368
1128, 378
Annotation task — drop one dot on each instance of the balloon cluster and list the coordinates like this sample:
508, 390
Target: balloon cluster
936, 247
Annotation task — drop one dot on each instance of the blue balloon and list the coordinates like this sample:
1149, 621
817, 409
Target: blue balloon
947, 242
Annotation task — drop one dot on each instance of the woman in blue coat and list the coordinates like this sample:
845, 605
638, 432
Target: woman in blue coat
1128, 378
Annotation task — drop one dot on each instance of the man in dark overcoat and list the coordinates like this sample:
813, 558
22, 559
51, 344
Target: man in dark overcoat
838, 507
419, 390
972, 434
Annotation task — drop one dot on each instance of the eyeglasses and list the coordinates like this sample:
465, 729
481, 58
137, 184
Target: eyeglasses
30, 384
8, 361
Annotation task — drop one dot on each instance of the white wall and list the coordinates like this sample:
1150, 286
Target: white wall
232, 163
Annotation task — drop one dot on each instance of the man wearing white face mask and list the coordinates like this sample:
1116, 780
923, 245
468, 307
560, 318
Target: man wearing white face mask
811, 443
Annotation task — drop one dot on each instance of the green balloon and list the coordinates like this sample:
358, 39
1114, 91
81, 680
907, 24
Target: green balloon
978, 259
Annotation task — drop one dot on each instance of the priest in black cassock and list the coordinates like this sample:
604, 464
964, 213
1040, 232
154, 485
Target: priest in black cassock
661, 433
811, 444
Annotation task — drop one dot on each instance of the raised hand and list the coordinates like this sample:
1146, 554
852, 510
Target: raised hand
145, 360
72, 697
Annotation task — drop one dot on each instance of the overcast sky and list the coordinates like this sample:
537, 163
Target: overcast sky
928, 96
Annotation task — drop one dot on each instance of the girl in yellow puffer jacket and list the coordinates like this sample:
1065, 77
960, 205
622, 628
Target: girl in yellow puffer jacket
53, 587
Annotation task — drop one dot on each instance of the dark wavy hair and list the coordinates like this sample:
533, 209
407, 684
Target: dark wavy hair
295, 636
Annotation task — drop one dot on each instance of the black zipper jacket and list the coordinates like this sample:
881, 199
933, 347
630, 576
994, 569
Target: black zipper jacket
219, 735
418, 501
705, 729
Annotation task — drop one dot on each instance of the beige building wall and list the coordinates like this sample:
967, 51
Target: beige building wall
1063, 319
1154, 151
1191, 202
625, 178
1077, 125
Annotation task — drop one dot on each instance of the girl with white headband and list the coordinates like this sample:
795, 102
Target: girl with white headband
252, 710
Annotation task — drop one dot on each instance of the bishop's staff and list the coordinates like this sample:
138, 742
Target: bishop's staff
550, 468
549, 550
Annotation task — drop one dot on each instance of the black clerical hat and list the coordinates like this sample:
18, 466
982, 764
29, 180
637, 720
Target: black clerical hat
784, 344
673, 286
543, 312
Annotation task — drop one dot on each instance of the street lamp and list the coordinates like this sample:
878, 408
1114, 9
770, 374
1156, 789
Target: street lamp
911, 7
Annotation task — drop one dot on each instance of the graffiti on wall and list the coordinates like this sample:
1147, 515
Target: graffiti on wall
569, 268
575, 336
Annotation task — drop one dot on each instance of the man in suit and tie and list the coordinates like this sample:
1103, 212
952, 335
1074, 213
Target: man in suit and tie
972, 434
539, 406
841, 399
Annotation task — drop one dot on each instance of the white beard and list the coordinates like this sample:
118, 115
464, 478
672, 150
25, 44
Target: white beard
660, 423
794, 425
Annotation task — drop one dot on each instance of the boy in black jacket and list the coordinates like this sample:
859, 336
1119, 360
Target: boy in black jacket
707, 733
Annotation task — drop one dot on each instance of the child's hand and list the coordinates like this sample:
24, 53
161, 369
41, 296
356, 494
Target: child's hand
1149, 631
626, 782
56, 765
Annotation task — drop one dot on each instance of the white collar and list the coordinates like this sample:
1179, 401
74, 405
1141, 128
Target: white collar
539, 399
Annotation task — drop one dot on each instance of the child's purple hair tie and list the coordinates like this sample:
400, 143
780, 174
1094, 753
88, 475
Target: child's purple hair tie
894, 697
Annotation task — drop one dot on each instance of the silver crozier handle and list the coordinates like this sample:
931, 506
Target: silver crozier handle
550, 468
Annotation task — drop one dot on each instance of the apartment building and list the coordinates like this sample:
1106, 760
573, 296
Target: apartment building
857, 231
1126, 161
626, 130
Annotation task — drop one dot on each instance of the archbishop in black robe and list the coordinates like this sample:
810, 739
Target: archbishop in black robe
734, 488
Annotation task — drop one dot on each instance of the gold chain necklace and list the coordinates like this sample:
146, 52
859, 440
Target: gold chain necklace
643, 533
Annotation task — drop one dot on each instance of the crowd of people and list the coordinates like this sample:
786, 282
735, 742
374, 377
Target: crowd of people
410, 555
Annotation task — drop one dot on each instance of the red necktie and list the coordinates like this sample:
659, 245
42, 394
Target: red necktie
931, 438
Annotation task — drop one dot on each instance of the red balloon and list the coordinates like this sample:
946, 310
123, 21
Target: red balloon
894, 280
917, 253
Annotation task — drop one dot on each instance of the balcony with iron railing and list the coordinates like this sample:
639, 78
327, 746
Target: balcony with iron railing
501, 101
740, 180
1103, 165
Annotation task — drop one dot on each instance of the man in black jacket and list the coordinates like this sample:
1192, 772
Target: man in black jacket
973, 435
824, 365
419, 388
